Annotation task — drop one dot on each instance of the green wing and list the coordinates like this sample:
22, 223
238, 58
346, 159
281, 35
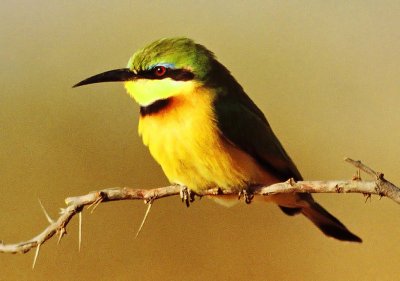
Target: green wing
244, 125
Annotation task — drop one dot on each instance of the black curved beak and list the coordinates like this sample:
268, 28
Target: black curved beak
116, 75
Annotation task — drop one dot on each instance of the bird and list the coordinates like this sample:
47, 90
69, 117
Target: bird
205, 131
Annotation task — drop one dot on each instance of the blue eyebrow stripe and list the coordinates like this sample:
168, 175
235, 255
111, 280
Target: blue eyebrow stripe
167, 65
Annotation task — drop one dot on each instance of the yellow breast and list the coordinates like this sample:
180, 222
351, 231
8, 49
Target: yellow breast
185, 140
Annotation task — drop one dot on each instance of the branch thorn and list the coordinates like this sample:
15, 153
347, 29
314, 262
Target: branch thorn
80, 231
99, 199
61, 233
36, 255
149, 203
49, 219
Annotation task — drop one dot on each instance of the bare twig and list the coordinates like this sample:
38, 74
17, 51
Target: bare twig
75, 205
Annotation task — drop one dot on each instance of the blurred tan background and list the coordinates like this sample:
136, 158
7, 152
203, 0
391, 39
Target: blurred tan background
326, 74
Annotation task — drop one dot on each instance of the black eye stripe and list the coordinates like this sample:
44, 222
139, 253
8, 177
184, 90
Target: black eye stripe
175, 74
182, 75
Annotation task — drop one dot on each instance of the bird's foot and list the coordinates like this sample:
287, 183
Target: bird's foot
247, 195
186, 195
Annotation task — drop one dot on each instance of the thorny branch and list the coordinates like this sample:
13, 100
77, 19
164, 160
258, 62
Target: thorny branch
75, 205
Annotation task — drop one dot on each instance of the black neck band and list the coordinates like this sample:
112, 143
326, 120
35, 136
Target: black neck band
155, 107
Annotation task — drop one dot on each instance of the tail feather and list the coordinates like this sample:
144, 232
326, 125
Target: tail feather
327, 223
290, 211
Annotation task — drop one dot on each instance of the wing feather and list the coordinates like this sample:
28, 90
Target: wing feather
243, 124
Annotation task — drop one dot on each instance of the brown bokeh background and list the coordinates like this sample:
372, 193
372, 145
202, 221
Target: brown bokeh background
326, 73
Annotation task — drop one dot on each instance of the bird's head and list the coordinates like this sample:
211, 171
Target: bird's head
163, 69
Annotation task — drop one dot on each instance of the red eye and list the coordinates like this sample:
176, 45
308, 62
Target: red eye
160, 71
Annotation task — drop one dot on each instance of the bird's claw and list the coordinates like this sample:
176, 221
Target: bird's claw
186, 195
247, 194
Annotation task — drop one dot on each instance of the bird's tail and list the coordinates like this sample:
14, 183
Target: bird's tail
327, 223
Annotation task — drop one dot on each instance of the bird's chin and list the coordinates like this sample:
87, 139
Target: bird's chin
144, 92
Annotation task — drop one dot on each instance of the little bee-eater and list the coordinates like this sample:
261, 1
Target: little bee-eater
205, 131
